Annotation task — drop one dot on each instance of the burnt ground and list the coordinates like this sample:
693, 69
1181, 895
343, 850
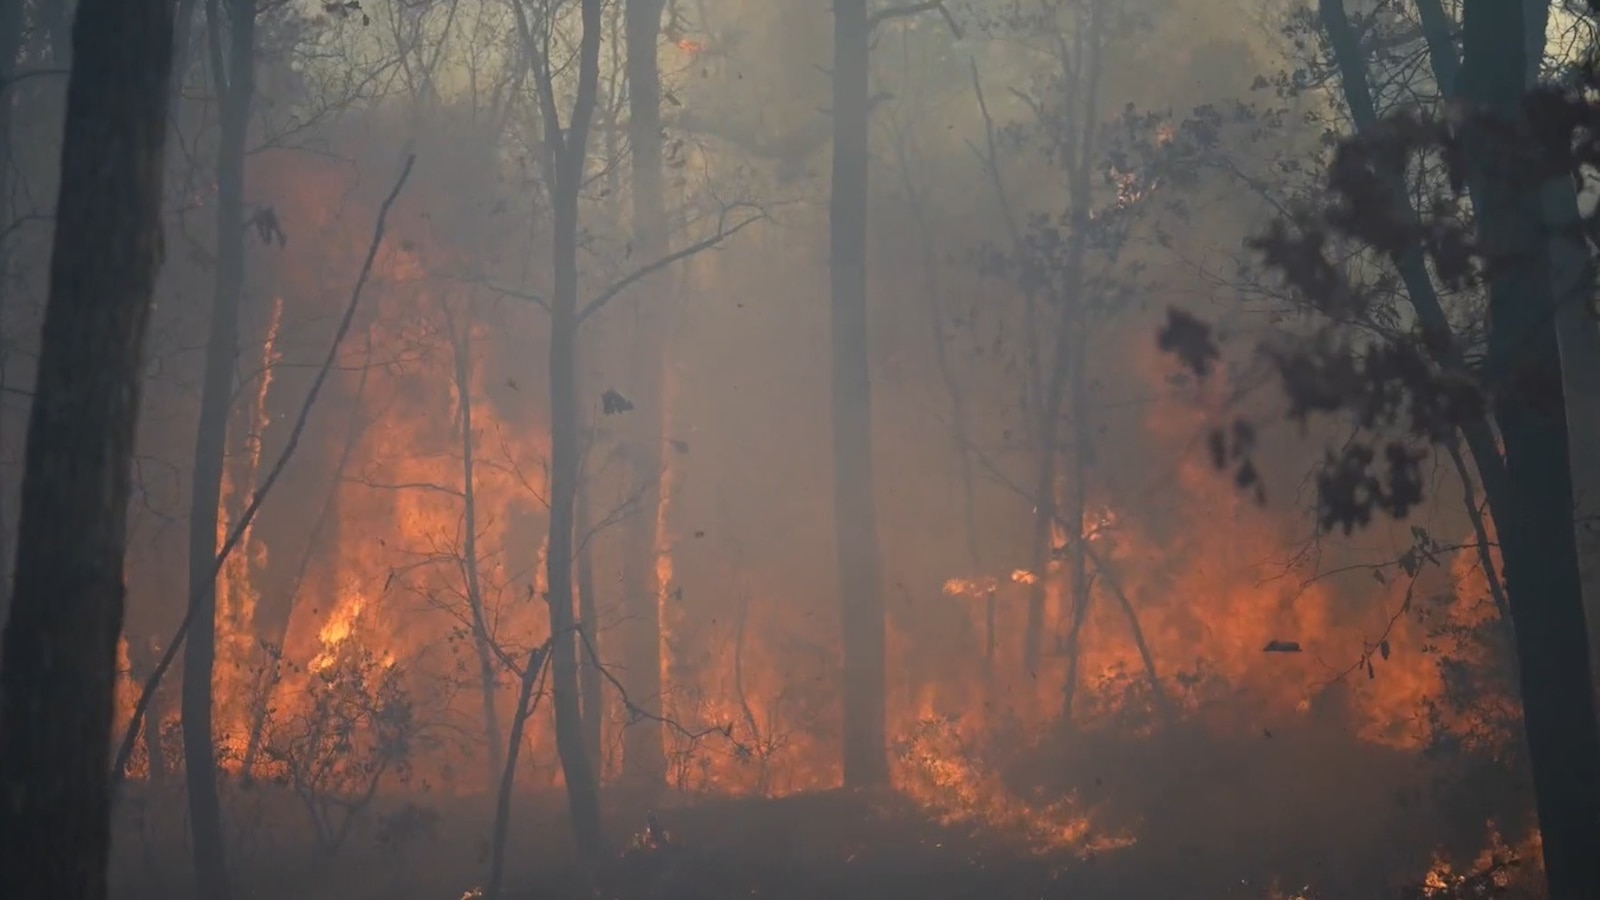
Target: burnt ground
1215, 819
834, 845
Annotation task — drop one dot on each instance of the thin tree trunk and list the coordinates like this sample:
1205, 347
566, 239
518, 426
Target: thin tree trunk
461, 337
855, 513
59, 672
1538, 544
1077, 492
273, 620
592, 678
569, 148
1045, 514
233, 76
643, 756
527, 702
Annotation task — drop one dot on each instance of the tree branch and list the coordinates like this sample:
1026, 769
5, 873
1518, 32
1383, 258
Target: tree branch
915, 9
120, 767
645, 271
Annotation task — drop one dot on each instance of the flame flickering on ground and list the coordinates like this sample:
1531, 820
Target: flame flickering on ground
1179, 609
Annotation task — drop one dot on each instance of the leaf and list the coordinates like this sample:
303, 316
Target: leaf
613, 403
1383, 648
1277, 646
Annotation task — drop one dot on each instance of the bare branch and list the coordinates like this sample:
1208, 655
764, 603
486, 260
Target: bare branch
637, 713
119, 769
645, 271
916, 9
513, 293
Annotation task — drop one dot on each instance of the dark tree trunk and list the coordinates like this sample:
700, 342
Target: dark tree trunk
1535, 523
643, 754
591, 674
58, 678
233, 75
866, 761
583, 794
11, 32
57, 19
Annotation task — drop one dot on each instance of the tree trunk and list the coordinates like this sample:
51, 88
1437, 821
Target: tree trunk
592, 675
643, 755
1535, 526
58, 678
571, 150
233, 77
461, 344
1579, 343
11, 32
866, 761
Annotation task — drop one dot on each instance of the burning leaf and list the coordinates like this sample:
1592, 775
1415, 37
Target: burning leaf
1276, 646
613, 403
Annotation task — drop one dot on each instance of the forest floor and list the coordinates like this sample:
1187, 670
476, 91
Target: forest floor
829, 846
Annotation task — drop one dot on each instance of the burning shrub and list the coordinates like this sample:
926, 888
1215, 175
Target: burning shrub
356, 726
943, 772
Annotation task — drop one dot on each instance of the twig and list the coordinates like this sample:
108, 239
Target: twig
913, 9
645, 271
637, 712
125, 752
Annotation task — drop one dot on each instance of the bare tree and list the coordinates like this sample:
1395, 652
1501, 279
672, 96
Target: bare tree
643, 755
855, 514
58, 678
233, 77
566, 151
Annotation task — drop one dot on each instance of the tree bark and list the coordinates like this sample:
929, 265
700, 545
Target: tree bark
570, 148
1579, 342
643, 754
58, 677
11, 33
859, 557
1538, 545
591, 674
233, 76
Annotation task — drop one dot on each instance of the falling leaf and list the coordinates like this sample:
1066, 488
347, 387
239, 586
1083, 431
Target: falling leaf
613, 403
680, 446
1281, 647
1383, 649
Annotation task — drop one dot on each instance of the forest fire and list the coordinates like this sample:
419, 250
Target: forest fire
414, 585
785, 452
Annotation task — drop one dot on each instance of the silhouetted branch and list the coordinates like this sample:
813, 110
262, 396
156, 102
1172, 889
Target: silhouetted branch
722, 233
125, 751
635, 712
915, 9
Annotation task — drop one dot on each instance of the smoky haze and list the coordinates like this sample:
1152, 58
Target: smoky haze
373, 622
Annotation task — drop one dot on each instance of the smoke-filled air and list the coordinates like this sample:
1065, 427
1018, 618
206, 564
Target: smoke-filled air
701, 449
